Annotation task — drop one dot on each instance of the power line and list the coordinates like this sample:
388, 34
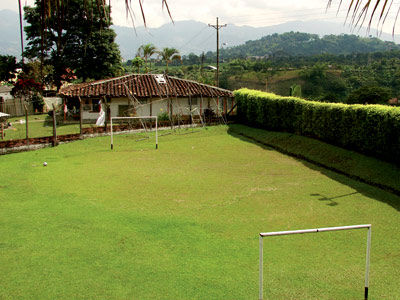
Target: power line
195, 36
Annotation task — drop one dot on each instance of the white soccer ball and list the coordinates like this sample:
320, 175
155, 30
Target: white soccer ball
45, 164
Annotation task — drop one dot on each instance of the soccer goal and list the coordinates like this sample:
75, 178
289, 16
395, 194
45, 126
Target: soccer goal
134, 125
315, 230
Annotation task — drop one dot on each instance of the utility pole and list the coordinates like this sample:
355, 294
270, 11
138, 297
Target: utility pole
202, 63
217, 27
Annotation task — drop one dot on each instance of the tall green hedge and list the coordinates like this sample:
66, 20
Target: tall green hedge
370, 129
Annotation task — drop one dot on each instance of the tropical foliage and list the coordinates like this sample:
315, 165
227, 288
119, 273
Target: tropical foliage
137, 62
168, 55
146, 52
370, 10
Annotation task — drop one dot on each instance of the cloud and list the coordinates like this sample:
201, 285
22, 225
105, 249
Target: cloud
239, 12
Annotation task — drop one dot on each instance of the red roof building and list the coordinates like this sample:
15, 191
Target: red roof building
146, 95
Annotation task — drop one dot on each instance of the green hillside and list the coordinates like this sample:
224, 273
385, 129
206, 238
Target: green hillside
305, 44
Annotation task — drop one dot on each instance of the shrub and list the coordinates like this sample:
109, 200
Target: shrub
37, 102
369, 129
163, 116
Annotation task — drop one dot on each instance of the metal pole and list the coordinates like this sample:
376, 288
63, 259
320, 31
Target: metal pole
54, 127
112, 146
261, 269
367, 264
26, 125
156, 132
80, 116
144, 117
316, 230
217, 78
21, 31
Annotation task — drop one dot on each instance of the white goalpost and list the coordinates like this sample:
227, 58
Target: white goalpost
135, 118
315, 230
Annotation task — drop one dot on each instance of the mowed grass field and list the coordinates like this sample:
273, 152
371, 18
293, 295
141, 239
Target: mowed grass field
182, 222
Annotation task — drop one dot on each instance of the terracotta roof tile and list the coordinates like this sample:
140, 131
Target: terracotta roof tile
143, 86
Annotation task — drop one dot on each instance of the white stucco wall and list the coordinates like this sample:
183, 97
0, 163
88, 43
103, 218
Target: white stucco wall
87, 115
6, 95
158, 106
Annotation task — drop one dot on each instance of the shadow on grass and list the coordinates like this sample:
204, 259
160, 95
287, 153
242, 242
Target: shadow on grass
362, 186
330, 200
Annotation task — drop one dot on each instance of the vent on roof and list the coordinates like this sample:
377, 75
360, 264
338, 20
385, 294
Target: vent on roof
160, 79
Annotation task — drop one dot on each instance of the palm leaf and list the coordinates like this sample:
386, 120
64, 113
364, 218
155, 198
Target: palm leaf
359, 12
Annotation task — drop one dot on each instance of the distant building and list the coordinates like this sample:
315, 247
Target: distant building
266, 56
5, 92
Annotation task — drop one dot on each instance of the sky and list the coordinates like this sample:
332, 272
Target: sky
254, 13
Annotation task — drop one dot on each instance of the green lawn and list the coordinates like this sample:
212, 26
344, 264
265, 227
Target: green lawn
39, 126
182, 222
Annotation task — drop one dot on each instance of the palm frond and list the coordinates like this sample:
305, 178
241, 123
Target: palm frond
375, 12
50, 6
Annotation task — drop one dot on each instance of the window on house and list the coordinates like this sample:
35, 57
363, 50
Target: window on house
92, 105
87, 105
95, 105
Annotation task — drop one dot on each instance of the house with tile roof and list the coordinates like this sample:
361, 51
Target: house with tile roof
146, 95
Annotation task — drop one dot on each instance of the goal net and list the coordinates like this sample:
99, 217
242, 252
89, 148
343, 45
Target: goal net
316, 230
139, 128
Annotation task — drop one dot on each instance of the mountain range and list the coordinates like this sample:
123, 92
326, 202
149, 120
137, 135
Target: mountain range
186, 36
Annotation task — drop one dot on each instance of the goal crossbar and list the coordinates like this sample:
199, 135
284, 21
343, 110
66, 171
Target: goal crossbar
316, 230
127, 118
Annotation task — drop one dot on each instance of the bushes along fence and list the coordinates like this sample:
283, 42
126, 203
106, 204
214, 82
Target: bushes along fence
370, 129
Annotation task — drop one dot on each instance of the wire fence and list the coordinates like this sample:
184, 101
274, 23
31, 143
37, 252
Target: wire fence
20, 121
22, 125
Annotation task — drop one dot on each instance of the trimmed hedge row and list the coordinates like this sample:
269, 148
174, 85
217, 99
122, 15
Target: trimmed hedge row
370, 129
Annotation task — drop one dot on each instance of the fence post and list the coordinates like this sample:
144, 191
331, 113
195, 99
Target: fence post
2, 130
15, 107
64, 106
26, 125
22, 106
105, 109
80, 116
54, 127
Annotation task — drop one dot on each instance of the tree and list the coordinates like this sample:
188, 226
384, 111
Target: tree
137, 62
8, 65
28, 89
73, 39
34, 70
146, 52
369, 95
168, 55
